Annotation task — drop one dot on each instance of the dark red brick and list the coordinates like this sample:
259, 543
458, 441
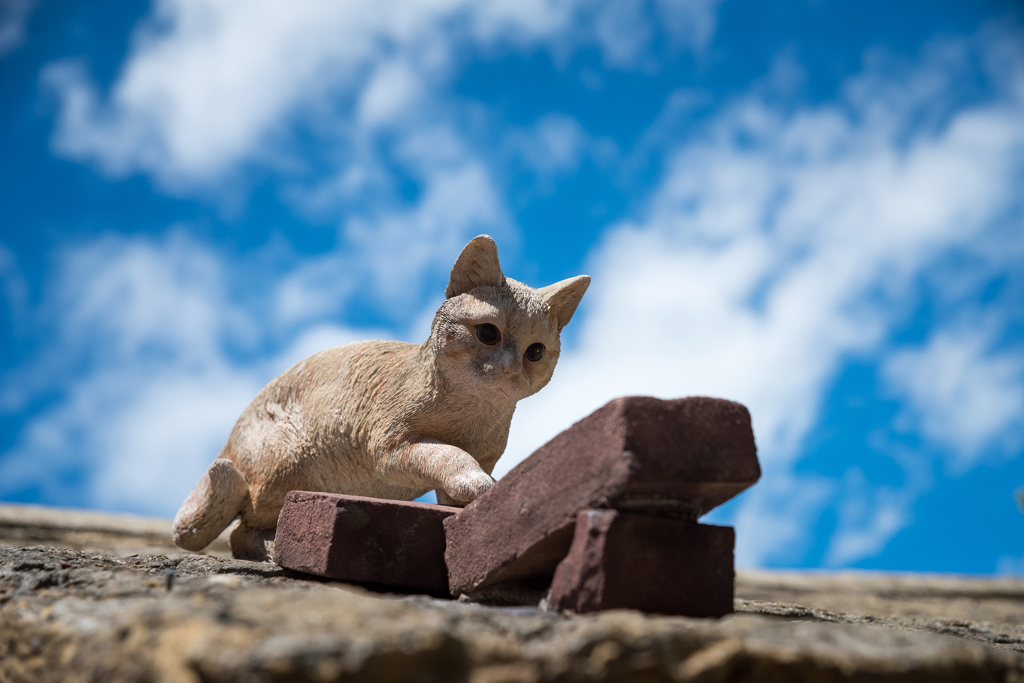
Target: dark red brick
677, 457
626, 560
353, 538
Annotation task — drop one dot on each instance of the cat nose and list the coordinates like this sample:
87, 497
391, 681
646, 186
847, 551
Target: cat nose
510, 364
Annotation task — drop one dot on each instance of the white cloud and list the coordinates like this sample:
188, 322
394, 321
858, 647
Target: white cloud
151, 334
389, 249
14, 15
554, 144
624, 32
316, 289
391, 94
13, 287
871, 524
962, 393
210, 89
690, 22
126, 302
210, 86
155, 438
781, 242
774, 516
142, 325
129, 438
136, 298
160, 435
868, 516
457, 205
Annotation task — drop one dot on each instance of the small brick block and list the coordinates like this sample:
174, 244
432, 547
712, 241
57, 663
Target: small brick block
623, 560
371, 540
678, 457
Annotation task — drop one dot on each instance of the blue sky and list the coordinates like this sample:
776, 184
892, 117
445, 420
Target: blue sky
811, 207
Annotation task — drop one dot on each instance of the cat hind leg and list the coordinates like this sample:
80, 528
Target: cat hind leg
249, 543
218, 498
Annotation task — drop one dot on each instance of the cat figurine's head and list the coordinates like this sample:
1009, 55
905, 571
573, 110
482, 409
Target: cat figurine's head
496, 336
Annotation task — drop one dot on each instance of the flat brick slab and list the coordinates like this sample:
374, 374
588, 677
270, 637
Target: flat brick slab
353, 538
678, 457
654, 564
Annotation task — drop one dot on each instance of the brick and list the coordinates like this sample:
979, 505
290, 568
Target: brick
678, 457
625, 560
370, 540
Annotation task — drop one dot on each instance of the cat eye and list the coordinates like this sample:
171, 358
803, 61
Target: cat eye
488, 334
534, 352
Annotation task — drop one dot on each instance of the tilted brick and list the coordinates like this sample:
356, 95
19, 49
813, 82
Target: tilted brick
679, 458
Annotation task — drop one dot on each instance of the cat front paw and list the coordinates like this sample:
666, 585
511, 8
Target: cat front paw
468, 486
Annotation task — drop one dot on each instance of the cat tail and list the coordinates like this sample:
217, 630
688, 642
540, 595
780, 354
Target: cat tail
217, 499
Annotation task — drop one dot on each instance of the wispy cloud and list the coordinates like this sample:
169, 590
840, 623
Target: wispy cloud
211, 92
210, 86
142, 326
786, 239
151, 332
14, 290
960, 393
14, 14
554, 144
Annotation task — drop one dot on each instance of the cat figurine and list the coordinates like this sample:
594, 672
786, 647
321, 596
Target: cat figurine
389, 419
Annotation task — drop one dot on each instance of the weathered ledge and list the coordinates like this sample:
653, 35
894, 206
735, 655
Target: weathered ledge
97, 610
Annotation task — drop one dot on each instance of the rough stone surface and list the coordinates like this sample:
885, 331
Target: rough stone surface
68, 615
990, 610
680, 457
370, 540
653, 564
65, 616
94, 532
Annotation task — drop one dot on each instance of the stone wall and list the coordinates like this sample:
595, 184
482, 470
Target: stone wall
90, 597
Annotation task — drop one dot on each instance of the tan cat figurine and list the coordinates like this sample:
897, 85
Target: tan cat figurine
389, 419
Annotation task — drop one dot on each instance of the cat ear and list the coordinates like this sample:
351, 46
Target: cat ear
477, 266
563, 297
